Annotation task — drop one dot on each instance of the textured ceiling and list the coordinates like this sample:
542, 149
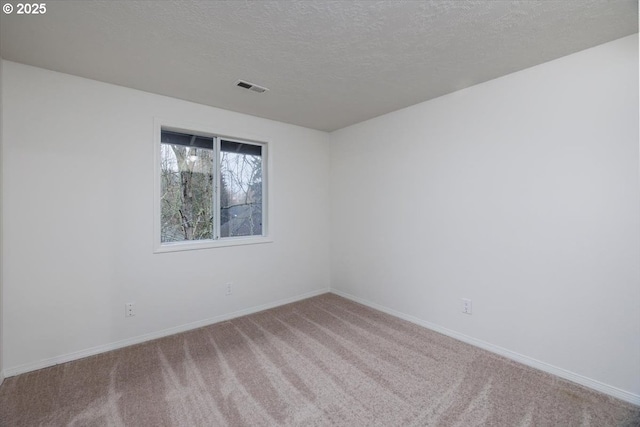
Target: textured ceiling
328, 64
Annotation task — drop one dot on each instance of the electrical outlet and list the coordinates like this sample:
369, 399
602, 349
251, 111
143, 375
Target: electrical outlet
466, 305
130, 309
229, 289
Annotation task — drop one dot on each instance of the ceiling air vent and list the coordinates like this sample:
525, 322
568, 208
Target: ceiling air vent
251, 86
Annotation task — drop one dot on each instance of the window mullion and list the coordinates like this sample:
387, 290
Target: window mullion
216, 188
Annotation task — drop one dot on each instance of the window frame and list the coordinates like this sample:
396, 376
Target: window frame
206, 131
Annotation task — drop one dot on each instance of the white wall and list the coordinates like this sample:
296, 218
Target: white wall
520, 193
78, 211
1, 257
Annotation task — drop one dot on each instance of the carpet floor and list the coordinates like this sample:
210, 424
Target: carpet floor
324, 361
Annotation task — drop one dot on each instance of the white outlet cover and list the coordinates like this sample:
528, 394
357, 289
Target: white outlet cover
466, 306
130, 309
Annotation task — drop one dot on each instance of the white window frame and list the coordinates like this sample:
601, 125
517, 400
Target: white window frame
203, 130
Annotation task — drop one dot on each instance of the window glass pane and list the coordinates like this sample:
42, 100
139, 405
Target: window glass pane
186, 188
240, 189
176, 138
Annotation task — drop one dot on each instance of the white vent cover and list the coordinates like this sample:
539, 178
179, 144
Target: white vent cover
251, 86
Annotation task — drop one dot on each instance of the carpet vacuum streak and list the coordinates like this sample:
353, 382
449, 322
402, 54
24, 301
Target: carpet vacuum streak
323, 361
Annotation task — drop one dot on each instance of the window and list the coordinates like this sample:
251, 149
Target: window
211, 190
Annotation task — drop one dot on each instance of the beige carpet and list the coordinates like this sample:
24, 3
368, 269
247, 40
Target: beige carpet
324, 361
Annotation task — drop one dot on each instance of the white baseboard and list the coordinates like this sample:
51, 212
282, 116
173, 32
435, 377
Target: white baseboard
1, 377
525, 360
28, 367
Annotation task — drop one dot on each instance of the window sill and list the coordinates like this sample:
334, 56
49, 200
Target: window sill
209, 244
